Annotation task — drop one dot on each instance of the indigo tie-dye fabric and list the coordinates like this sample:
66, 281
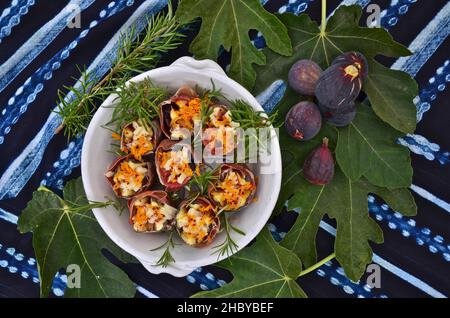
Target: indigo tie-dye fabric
39, 54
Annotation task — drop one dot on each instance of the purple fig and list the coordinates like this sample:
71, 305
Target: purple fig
355, 63
341, 83
319, 166
303, 77
339, 117
303, 121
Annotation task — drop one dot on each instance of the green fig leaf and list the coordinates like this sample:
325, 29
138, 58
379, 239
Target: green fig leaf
398, 199
66, 232
346, 201
227, 24
367, 147
263, 270
391, 93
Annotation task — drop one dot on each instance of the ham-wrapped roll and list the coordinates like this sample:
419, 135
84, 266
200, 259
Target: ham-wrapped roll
173, 164
140, 138
197, 221
152, 211
129, 177
234, 188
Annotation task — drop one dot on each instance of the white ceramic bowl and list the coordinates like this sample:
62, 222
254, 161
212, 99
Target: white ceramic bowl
95, 159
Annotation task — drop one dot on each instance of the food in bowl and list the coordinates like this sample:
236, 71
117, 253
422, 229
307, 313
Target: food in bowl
234, 188
129, 177
187, 198
139, 138
179, 113
173, 164
152, 211
197, 221
221, 134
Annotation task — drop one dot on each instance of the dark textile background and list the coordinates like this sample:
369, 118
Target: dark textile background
415, 257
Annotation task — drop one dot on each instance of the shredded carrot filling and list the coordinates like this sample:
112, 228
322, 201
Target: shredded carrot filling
221, 134
221, 139
205, 208
219, 118
233, 191
141, 215
185, 116
138, 140
129, 176
197, 170
177, 164
152, 215
116, 136
195, 222
140, 147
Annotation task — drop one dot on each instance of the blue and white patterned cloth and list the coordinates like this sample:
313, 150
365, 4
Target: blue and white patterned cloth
39, 54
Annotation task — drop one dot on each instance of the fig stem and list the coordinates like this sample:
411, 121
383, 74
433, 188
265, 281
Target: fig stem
325, 141
323, 24
317, 265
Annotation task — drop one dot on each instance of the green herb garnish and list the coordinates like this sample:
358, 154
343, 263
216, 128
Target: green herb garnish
139, 101
201, 180
229, 246
166, 257
244, 114
137, 53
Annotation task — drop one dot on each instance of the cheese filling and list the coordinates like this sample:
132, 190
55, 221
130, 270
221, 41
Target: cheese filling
176, 163
138, 139
129, 177
233, 191
221, 134
195, 223
152, 215
219, 119
184, 117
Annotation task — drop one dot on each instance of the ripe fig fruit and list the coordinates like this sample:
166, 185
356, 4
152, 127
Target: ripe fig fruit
341, 83
303, 121
319, 166
303, 77
341, 117
353, 59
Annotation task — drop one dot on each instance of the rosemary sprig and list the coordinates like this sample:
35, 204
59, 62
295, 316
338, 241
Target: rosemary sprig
81, 204
213, 94
138, 101
247, 117
229, 246
205, 110
78, 110
252, 121
176, 197
166, 257
201, 180
136, 54
208, 98
116, 150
